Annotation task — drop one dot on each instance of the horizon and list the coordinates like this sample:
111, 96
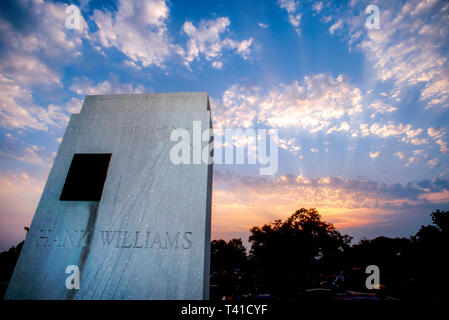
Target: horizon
362, 113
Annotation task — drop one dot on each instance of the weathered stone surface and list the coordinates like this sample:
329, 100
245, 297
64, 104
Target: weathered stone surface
149, 235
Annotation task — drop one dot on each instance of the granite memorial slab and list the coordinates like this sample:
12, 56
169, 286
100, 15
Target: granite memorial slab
132, 223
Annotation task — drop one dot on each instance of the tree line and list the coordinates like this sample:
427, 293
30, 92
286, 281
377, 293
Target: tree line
304, 254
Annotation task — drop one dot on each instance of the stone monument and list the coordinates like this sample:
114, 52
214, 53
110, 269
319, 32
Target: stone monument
116, 211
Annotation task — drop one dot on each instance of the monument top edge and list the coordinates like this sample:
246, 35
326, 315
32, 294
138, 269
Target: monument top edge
151, 94
182, 101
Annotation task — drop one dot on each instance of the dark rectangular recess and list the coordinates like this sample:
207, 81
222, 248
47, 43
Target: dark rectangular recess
86, 177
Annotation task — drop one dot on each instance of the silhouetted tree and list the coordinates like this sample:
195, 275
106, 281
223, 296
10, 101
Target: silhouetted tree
228, 259
8, 260
290, 254
441, 219
228, 256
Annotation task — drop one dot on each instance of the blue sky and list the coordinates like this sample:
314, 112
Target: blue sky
362, 114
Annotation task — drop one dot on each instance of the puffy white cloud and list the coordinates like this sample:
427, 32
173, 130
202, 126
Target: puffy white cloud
318, 6
436, 133
436, 197
54, 116
49, 39
374, 155
294, 17
217, 64
237, 108
49, 33
381, 108
28, 70
10, 136
400, 154
433, 162
17, 109
263, 25
25, 52
312, 106
443, 146
337, 25
74, 105
27, 62
319, 103
29, 154
409, 49
416, 141
343, 126
207, 39
392, 129
84, 86
287, 144
138, 29
411, 160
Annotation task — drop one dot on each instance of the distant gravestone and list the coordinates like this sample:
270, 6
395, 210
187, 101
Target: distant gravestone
116, 212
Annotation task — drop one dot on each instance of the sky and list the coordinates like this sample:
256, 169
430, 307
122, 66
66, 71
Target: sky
362, 113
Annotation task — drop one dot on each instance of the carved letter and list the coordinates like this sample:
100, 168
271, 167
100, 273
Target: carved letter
106, 236
187, 238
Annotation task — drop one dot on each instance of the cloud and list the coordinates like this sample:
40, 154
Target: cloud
343, 126
84, 86
381, 108
74, 105
237, 108
410, 47
217, 65
400, 154
28, 51
287, 144
33, 44
54, 116
138, 29
433, 162
240, 202
319, 103
436, 133
28, 70
46, 31
207, 39
10, 136
374, 155
294, 18
17, 109
392, 129
337, 25
416, 141
312, 106
263, 25
317, 6
30, 154
436, 197
443, 146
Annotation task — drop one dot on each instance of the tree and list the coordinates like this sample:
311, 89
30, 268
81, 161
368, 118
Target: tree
226, 259
288, 252
441, 219
228, 256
